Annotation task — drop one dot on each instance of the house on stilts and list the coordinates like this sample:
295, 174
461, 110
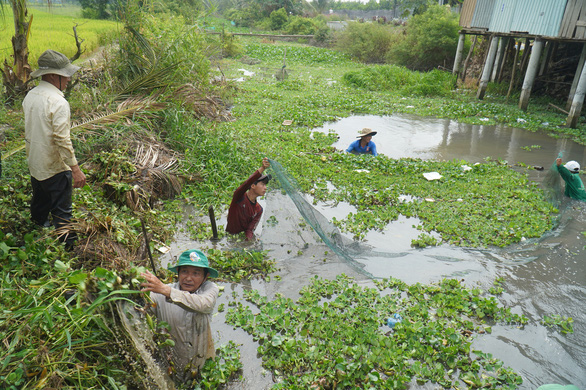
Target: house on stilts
534, 27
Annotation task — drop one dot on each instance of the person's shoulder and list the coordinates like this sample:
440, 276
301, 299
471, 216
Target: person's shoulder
209, 285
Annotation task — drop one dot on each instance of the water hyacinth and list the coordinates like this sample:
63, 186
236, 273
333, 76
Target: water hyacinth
335, 335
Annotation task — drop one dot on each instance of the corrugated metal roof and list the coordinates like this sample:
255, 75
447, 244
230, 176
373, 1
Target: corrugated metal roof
483, 13
502, 15
547, 18
539, 17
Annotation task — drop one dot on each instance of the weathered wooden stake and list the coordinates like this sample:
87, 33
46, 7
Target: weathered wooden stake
515, 59
578, 100
487, 71
148, 245
213, 223
576, 78
467, 60
499, 57
531, 73
508, 48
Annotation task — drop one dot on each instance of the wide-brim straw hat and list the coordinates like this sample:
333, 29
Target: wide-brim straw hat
53, 62
194, 258
365, 132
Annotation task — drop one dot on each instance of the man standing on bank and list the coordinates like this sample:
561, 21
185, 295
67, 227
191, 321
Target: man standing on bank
51, 159
245, 212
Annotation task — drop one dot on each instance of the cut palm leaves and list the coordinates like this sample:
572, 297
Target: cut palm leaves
127, 109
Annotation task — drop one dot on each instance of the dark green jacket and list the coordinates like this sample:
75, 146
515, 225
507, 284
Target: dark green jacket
574, 185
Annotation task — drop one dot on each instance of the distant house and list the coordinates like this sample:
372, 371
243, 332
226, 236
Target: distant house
540, 23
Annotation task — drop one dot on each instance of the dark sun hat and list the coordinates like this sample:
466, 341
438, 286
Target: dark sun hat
194, 258
53, 62
365, 132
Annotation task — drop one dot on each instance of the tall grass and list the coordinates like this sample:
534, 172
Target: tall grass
52, 31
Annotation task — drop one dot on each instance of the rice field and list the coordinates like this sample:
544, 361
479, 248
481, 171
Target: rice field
54, 30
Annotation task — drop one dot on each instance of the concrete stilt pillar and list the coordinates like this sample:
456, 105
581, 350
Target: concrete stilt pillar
459, 51
578, 100
532, 68
576, 78
497, 60
487, 71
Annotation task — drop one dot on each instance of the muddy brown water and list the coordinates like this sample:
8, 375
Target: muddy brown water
542, 277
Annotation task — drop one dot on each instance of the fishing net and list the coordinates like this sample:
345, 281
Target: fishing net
552, 185
347, 249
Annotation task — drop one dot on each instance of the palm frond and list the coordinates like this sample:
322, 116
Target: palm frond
153, 79
15, 150
127, 109
202, 104
144, 45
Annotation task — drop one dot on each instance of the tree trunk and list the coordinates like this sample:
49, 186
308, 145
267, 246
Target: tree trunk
16, 76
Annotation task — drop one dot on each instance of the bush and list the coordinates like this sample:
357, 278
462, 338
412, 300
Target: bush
246, 17
323, 34
231, 46
431, 39
301, 26
401, 80
368, 42
278, 19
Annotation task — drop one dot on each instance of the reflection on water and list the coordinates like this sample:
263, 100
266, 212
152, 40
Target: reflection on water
444, 139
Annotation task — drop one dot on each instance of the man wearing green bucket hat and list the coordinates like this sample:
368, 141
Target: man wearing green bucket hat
187, 307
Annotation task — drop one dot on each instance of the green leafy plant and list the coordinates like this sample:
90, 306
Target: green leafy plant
425, 240
555, 320
332, 335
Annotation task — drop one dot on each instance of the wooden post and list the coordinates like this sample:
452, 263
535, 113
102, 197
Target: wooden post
578, 100
499, 57
576, 78
459, 50
508, 48
487, 71
546, 57
526, 51
515, 59
213, 223
531, 73
467, 60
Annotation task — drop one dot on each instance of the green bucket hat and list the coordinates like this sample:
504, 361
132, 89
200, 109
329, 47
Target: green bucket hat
53, 62
194, 258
